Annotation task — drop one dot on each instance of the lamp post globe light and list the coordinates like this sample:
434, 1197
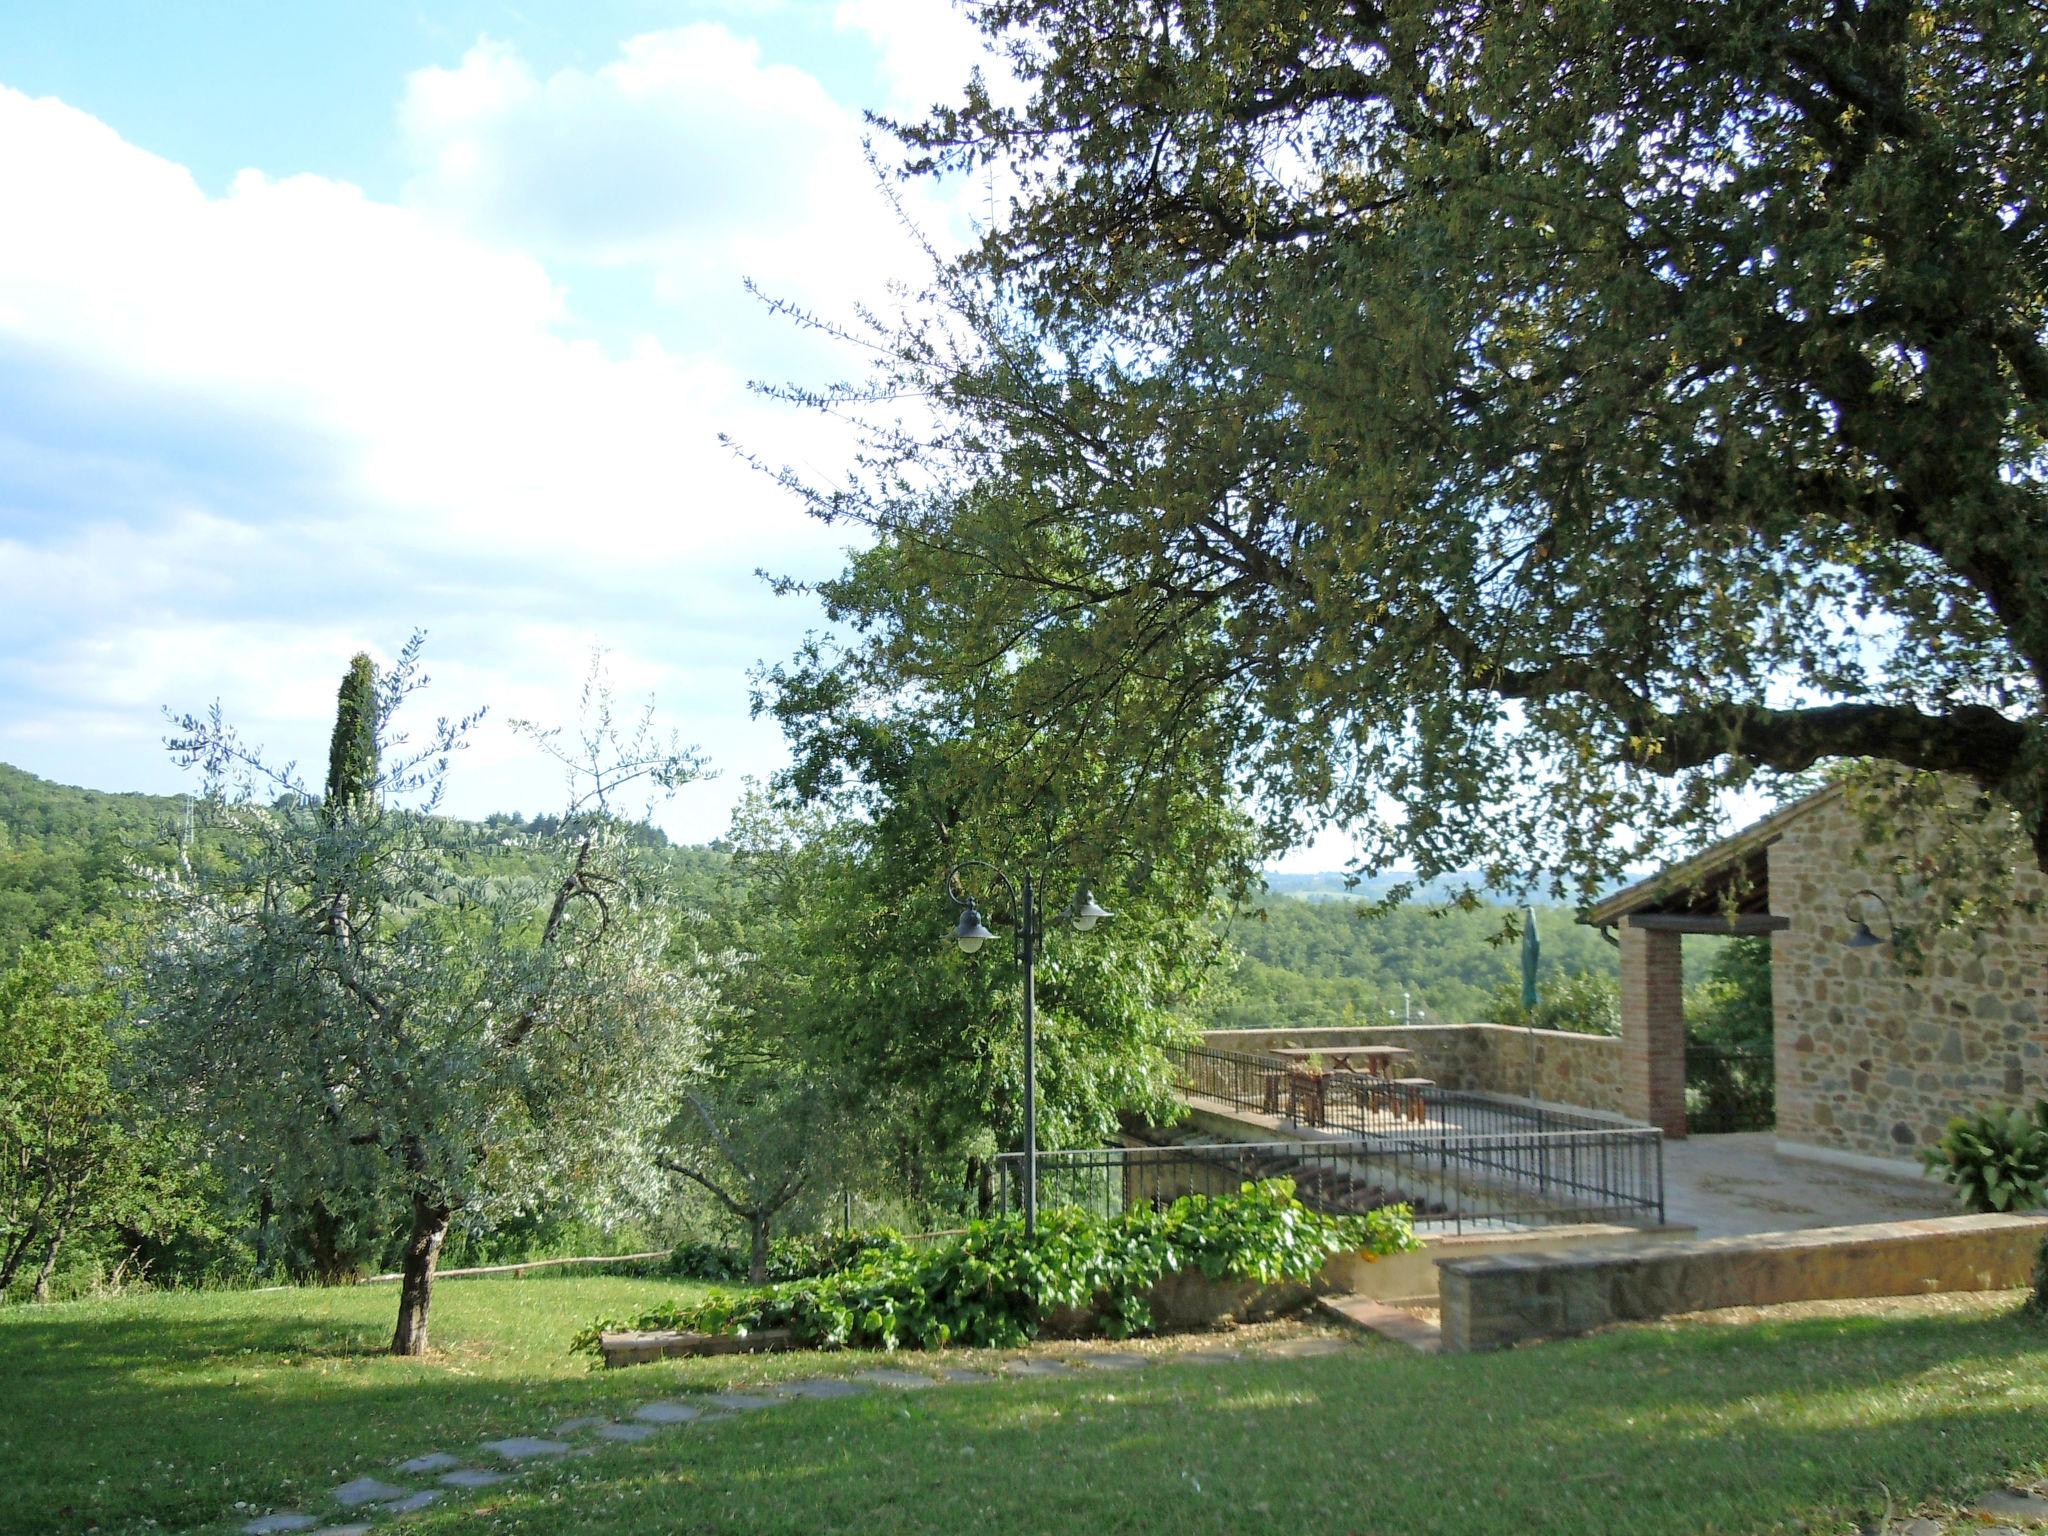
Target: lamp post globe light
1083, 913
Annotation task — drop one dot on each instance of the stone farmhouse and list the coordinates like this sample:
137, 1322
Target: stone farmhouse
1872, 1057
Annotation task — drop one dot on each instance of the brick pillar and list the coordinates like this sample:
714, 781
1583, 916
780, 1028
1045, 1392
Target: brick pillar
1652, 1028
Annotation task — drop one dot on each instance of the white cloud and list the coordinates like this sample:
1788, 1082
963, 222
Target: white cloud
689, 155
927, 50
243, 435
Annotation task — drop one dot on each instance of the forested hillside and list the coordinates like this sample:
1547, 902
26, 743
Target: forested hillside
70, 855
1325, 962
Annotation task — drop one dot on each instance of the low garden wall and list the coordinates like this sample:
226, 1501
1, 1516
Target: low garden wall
1184, 1301
1188, 1300
1547, 1064
1413, 1278
1497, 1300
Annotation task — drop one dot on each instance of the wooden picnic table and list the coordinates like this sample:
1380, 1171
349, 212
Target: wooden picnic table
1375, 1059
1305, 1092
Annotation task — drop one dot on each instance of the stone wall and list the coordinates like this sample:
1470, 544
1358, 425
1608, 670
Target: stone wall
1581, 1070
1498, 1300
1873, 1061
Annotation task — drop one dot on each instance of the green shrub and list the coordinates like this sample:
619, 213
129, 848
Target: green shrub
800, 1257
992, 1287
1996, 1158
697, 1260
1579, 1002
2038, 1300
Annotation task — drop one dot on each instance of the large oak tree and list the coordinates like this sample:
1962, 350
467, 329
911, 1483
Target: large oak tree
1503, 424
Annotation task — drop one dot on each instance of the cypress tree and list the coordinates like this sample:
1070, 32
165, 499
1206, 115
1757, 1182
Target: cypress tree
352, 754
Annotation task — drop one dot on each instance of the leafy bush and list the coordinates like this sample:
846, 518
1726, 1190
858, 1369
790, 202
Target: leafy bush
1730, 1008
992, 1287
801, 1257
1579, 1002
695, 1260
1996, 1158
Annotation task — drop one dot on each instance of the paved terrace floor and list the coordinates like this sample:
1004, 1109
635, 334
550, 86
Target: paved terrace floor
1730, 1185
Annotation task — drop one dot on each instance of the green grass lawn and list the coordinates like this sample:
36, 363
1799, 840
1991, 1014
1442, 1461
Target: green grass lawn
168, 1409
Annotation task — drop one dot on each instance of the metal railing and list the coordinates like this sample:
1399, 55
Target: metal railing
1730, 1090
1453, 1183
1357, 1103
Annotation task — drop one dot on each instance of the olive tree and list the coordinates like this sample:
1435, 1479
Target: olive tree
490, 1025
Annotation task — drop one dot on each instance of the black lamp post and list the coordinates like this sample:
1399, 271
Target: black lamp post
970, 935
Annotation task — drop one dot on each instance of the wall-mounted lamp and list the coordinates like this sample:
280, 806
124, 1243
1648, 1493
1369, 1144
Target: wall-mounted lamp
1859, 909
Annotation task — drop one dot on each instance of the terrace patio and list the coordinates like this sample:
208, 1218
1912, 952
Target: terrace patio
1719, 1184
1729, 1185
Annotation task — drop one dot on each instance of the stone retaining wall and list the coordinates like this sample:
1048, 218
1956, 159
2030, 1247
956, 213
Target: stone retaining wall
1495, 1301
1582, 1070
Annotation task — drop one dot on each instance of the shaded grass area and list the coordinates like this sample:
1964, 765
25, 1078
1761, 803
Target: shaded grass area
171, 1407
184, 1404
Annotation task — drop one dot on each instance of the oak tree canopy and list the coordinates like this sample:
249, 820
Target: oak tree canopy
1500, 425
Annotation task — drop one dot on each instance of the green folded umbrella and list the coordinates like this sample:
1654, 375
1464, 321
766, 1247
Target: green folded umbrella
1532, 951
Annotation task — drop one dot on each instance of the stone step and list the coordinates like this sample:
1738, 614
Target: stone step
635, 1348
1369, 1316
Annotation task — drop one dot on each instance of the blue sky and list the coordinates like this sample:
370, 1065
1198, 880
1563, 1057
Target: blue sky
322, 323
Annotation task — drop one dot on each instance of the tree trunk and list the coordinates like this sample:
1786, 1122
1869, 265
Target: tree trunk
10, 1262
757, 1262
49, 1269
264, 1210
981, 1185
323, 1244
422, 1253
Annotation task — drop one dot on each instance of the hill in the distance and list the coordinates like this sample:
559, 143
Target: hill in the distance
1330, 885
67, 855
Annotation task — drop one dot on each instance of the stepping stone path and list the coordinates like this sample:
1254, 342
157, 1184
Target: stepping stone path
960, 1374
910, 1381
741, 1402
572, 1426
1114, 1360
667, 1413
1306, 1349
2013, 1507
366, 1490
822, 1387
1039, 1367
284, 1520
420, 1500
474, 1477
628, 1432
433, 1461
526, 1447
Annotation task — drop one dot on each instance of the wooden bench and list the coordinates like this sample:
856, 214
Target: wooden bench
1410, 1089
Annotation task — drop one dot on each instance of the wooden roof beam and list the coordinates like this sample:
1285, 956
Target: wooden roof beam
1746, 925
